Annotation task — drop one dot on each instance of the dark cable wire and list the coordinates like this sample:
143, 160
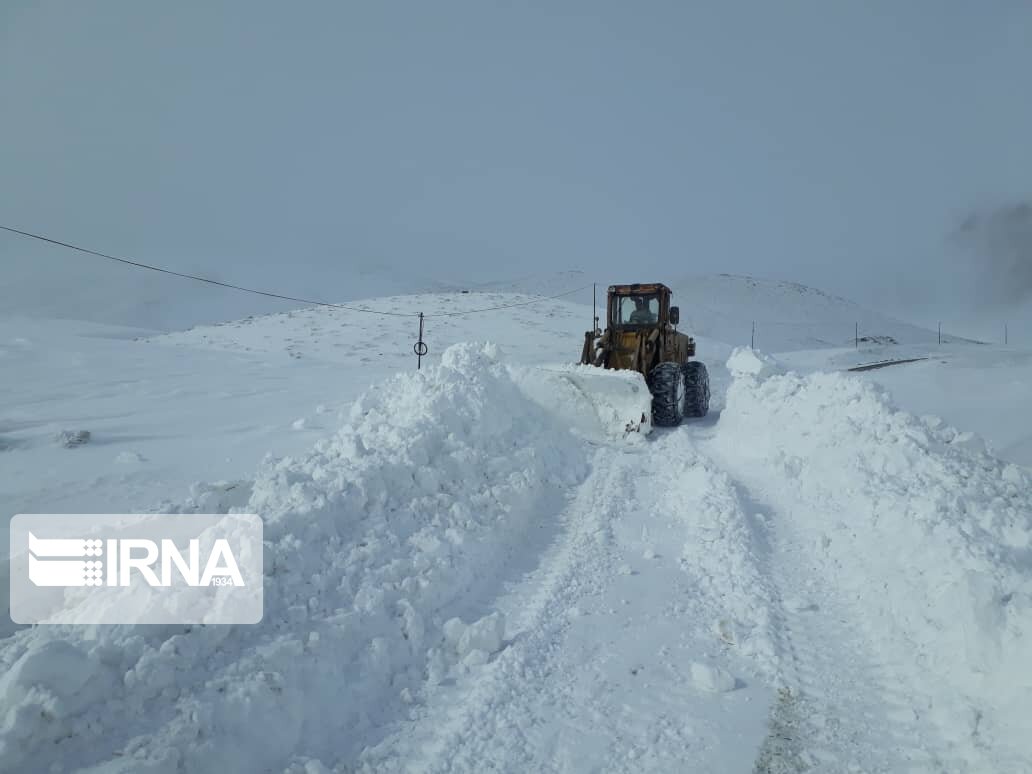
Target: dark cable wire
269, 294
199, 279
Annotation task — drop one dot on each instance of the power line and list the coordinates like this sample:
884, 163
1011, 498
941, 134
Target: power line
269, 294
194, 277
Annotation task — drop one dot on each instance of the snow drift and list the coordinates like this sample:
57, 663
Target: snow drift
374, 542
927, 535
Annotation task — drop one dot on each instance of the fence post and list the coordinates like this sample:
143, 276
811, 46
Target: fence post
419, 347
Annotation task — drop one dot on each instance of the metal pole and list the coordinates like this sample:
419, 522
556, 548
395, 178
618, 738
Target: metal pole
940, 333
1006, 334
594, 307
419, 347
856, 336
752, 337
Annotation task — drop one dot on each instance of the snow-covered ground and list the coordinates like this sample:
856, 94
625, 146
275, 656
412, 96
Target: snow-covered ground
982, 388
786, 315
468, 571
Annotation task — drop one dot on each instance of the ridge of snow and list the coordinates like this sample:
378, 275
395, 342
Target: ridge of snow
749, 362
436, 479
925, 534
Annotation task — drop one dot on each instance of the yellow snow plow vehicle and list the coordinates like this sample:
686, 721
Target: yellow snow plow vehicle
641, 335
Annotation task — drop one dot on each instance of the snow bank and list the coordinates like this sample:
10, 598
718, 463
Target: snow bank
373, 540
711, 678
919, 527
751, 362
470, 645
722, 553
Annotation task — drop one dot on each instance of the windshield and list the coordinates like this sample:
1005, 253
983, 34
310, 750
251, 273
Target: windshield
637, 310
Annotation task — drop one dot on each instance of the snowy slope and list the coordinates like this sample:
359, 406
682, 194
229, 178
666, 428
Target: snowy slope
723, 307
460, 579
545, 284
788, 316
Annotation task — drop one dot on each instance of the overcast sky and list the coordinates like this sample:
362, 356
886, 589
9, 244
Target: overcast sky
298, 145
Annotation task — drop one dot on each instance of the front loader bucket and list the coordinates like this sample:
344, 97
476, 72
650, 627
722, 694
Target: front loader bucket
597, 403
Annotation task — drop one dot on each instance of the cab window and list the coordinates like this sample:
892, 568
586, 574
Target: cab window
637, 310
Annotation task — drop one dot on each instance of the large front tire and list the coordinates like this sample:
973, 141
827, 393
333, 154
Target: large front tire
696, 389
666, 383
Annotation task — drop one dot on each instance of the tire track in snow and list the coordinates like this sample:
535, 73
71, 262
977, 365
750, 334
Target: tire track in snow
782, 751
485, 723
548, 705
654, 559
838, 708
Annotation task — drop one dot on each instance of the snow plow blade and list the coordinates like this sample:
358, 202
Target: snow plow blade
594, 401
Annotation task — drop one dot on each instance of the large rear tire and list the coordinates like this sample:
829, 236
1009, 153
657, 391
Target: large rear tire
696, 389
666, 383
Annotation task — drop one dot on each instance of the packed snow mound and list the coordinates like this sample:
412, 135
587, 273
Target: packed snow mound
745, 361
374, 541
928, 532
712, 678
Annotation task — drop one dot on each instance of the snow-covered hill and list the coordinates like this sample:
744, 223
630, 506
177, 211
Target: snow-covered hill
814, 578
40, 282
787, 315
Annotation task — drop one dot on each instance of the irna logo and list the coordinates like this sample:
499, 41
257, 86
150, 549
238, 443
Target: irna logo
112, 562
136, 568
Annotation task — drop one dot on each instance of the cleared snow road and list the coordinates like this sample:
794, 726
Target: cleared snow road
675, 624
762, 592
623, 654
